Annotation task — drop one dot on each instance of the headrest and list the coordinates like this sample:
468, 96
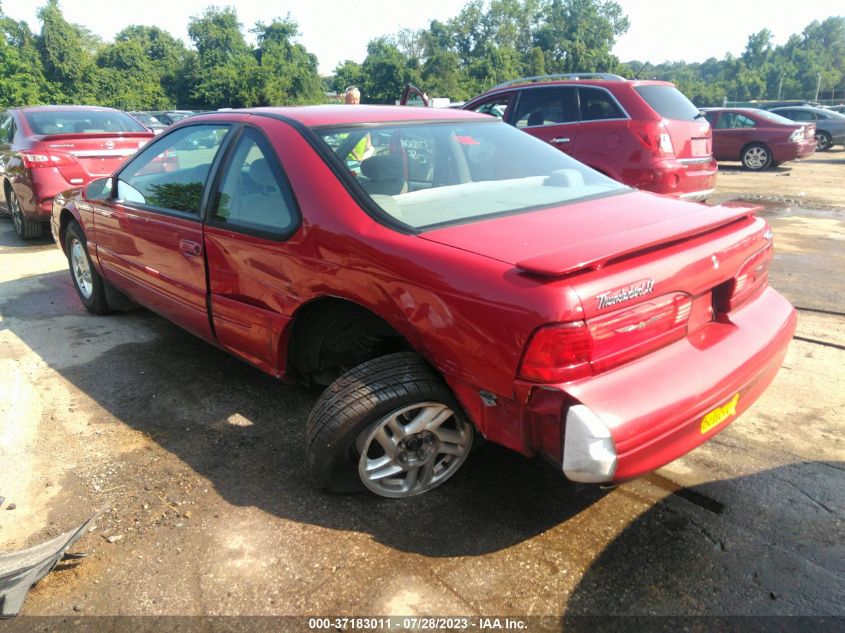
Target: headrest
383, 167
261, 174
536, 118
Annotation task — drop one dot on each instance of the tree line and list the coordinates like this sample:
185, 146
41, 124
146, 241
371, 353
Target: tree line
488, 42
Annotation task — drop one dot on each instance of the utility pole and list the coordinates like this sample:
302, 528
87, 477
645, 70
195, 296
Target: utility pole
780, 86
818, 85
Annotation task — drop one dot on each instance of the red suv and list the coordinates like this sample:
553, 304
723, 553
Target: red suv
645, 134
459, 277
47, 149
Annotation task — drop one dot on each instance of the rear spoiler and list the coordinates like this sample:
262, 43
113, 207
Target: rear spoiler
87, 135
582, 257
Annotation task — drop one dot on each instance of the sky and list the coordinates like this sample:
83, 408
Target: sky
334, 31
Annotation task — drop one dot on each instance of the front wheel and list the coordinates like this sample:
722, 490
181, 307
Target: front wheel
756, 157
823, 141
391, 426
87, 281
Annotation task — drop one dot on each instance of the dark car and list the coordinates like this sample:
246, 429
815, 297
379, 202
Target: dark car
758, 138
47, 149
462, 278
646, 134
149, 121
169, 117
830, 125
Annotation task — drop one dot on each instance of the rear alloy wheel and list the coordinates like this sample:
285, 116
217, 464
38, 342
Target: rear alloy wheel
87, 281
756, 157
391, 426
823, 141
25, 229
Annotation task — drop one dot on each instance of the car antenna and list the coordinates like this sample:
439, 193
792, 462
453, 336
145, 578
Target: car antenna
639, 72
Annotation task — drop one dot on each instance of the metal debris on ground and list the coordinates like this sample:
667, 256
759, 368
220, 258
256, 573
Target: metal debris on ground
19, 571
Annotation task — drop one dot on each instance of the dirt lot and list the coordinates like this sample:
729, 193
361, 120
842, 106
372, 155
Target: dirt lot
197, 460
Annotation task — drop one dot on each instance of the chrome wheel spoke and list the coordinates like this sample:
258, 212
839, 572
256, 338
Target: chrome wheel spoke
385, 471
429, 418
401, 459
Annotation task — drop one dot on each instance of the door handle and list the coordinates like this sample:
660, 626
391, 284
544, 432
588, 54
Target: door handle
190, 248
561, 139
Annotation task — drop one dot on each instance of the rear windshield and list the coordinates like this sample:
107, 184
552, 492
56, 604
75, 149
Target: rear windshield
668, 102
430, 174
774, 118
81, 122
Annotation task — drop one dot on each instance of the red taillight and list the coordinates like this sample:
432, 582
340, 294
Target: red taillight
563, 352
751, 277
34, 160
626, 334
558, 353
654, 136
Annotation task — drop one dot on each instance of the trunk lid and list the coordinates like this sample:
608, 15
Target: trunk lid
94, 155
690, 132
588, 235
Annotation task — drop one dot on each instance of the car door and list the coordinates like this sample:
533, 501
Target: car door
602, 131
550, 113
250, 221
734, 131
414, 97
148, 235
5, 146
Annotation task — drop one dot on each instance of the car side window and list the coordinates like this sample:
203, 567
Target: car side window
597, 105
253, 193
546, 106
494, 107
5, 128
171, 174
743, 121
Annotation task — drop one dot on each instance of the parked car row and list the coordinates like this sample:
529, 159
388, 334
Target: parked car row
459, 279
47, 149
645, 134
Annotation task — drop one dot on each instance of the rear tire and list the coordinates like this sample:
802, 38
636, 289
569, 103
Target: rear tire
25, 229
89, 285
390, 425
756, 157
823, 141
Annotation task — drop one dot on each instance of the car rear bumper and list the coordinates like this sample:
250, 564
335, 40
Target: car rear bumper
45, 184
783, 152
690, 179
661, 406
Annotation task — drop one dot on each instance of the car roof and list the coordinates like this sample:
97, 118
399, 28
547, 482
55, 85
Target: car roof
604, 83
318, 115
60, 108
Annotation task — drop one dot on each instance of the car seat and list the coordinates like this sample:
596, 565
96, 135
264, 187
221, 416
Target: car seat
385, 174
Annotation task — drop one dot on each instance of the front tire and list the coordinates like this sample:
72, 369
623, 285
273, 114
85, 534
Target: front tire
25, 229
756, 157
823, 141
89, 285
391, 426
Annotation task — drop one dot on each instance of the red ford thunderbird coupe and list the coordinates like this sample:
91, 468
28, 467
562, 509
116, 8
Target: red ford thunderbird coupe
445, 276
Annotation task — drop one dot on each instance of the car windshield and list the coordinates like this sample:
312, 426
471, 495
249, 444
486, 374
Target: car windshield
429, 174
668, 102
147, 119
773, 117
81, 122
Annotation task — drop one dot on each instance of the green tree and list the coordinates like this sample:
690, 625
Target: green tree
67, 55
22, 81
287, 72
225, 71
385, 72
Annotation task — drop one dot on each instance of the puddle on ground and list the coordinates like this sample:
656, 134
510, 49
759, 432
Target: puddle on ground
779, 206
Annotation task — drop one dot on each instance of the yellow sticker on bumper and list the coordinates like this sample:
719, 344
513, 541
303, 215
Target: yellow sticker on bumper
719, 415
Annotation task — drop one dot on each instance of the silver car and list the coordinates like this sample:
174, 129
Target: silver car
830, 125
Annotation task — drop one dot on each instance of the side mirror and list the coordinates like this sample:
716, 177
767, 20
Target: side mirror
99, 189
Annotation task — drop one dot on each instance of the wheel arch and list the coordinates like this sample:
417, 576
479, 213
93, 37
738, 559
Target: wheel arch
330, 334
